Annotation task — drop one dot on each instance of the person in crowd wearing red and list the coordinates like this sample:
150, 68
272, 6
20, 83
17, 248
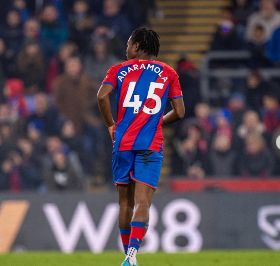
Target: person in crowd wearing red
13, 91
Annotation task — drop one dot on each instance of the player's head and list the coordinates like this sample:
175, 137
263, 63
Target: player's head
144, 40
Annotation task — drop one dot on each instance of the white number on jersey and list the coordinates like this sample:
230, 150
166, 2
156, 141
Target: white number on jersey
136, 104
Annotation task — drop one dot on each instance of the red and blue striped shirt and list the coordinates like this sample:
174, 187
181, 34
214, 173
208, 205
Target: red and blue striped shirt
142, 88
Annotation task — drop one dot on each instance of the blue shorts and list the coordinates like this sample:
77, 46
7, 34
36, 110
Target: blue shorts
140, 166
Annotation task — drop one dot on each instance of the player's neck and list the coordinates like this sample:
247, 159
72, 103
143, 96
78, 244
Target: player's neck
143, 56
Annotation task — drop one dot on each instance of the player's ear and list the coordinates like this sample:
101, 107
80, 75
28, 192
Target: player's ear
136, 46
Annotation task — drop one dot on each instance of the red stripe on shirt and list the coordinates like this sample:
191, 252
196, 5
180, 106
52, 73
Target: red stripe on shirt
133, 76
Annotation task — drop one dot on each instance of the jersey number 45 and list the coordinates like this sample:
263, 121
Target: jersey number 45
136, 103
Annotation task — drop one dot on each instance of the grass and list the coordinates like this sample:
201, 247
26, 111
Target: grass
204, 258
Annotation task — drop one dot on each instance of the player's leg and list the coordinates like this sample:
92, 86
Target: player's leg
140, 220
126, 206
123, 164
146, 174
143, 199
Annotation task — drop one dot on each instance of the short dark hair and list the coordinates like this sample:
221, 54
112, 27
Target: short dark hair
84, 1
271, 95
148, 40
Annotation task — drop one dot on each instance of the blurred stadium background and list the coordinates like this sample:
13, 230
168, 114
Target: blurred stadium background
219, 186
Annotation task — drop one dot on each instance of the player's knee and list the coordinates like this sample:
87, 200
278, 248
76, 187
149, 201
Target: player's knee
142, 204
126, 206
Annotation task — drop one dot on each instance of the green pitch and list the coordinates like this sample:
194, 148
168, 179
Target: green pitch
204, 258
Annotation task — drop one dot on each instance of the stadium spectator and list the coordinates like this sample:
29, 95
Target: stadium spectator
223, 157
56, 65
73, 93
196, 172
222, 124
225, 38
20, 5
242, 9
13, 91
32, 32
8, 136
31, 164
51, 28
58, 4
256, 89
258, 46
273, 50
46, 117
23, 176
95, 6
193, 150
11, 32
60, 175
75, 97
8, 68
54, 144
267, 16
221, 92
35, 135
256, 161
251, 125
131, 9
189, 80
75, 142
237, 108
7, 114
202, 114
6, 170
271, 113
31, 67
148, 8
81, 24
114, 25
225, 15
98, 60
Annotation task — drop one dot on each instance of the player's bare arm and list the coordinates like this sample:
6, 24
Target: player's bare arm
105, 108
176, 114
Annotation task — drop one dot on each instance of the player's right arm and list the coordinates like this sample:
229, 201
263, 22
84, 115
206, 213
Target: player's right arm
105, 108
107, 87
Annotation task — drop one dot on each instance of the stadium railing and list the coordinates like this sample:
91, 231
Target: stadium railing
206, 72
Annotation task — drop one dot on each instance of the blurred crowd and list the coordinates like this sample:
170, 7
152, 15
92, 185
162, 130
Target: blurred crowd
53, 57
234, 134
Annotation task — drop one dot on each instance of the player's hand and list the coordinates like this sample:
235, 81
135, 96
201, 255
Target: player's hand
112, 131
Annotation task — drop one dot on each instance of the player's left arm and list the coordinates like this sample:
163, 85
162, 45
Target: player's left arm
104, 106
176, 99
176, 113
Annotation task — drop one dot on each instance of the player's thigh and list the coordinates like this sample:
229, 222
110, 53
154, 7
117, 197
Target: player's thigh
147, 168
123, 166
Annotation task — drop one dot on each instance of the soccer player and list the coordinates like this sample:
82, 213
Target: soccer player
142, 86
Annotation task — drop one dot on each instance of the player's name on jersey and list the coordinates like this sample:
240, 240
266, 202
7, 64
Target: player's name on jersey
135, 67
